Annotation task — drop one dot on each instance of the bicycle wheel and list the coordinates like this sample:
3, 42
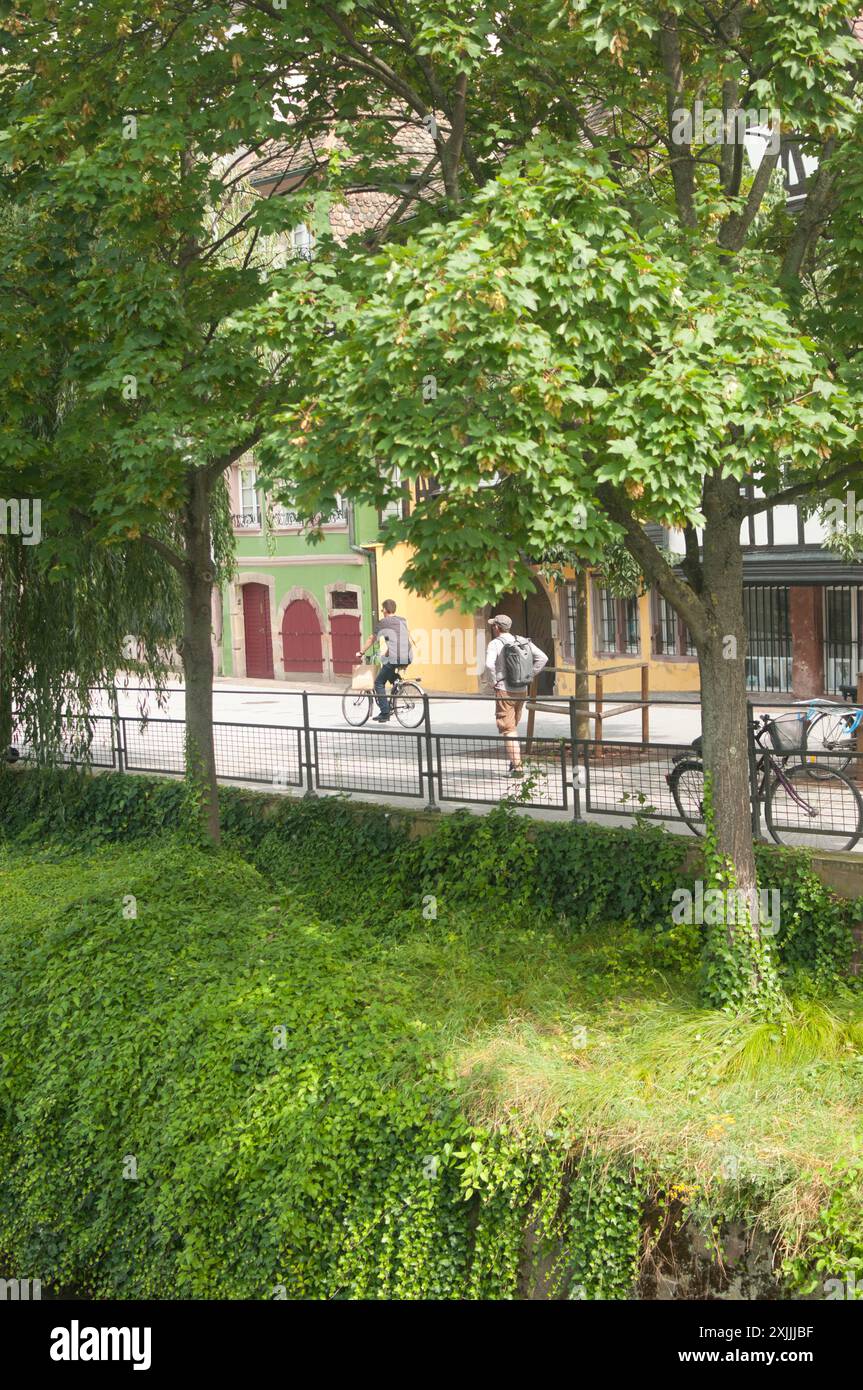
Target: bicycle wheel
823, 812
829, 742
686, 784
356, 707
408, 704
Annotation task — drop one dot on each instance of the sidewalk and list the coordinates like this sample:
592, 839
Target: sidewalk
675, 721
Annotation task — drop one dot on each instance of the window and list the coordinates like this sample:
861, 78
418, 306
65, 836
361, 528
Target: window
249, 515
344, 598
632, 633
280, 516
768, 632
616, 626
398, 507
843, 629
303, 241
670, 633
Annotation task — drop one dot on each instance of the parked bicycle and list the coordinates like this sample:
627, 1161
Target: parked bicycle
831, 735
406, 703
822, 810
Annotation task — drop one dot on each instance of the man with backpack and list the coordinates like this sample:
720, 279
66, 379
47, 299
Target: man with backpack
510, 665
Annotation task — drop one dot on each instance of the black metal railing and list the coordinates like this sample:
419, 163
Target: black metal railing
584, 777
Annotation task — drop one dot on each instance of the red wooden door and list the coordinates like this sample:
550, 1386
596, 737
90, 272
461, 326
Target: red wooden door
257, 631
302, 639
345, 632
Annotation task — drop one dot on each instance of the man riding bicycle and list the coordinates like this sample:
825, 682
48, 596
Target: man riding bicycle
399, 653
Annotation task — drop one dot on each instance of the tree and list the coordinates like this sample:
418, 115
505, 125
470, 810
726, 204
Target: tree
142, 128
67, 604
622, 323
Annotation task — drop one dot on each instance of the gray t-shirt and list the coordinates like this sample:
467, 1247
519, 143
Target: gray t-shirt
395, 632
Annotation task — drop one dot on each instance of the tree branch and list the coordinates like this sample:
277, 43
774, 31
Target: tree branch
849, 474
679, 592
811, 217
732, 233
173, 559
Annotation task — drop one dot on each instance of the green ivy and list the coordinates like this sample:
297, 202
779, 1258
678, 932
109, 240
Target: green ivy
565, 876
289, 1126
739, 968
339, 1164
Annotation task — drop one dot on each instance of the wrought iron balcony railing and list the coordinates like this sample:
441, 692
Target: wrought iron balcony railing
284, 519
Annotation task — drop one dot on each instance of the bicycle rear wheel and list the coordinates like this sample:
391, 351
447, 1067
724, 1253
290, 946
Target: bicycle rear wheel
356, 707
408, 704
823, 812
686, 784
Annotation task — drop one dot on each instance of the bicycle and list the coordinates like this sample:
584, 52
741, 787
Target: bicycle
406, 703
799, 809
831, 734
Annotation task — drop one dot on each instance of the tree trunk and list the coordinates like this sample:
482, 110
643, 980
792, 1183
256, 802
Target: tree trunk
582, 655
739, 972
722, 659
739, 969
197, 653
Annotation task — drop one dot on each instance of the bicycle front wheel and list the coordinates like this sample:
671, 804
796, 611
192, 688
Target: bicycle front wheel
686, 784
408, 705
356, 707
823, 812
829, 743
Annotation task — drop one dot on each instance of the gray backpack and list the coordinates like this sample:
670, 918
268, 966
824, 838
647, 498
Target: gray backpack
518, 662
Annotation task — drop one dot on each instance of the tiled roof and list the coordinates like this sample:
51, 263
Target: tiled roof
365, 207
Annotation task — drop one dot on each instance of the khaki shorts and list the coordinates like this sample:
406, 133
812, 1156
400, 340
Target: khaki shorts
507, 712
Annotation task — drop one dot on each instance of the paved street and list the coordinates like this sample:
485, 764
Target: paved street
278, 702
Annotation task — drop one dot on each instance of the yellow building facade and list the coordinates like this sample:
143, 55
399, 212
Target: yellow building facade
449, 647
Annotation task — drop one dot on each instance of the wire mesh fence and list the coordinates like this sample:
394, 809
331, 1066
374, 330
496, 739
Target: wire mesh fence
154, 745
482, 769
81, 741
806, 770
263, 753
380, 763
625, 779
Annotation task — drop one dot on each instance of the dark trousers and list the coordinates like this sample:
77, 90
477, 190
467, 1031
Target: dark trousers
386, 675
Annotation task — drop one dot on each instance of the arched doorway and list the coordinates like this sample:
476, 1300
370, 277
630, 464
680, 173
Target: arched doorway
257, 631
302, 638
532, 617
345, 635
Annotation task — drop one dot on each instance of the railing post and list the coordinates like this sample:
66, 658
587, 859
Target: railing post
531, 714
645, 706
307, 736
597, 723
431, 804
121, 744
573, 749
753, 773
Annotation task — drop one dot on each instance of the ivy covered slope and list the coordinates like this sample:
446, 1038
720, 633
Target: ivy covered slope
331, 1061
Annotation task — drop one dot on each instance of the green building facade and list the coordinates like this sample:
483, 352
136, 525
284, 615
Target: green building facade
294, 610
